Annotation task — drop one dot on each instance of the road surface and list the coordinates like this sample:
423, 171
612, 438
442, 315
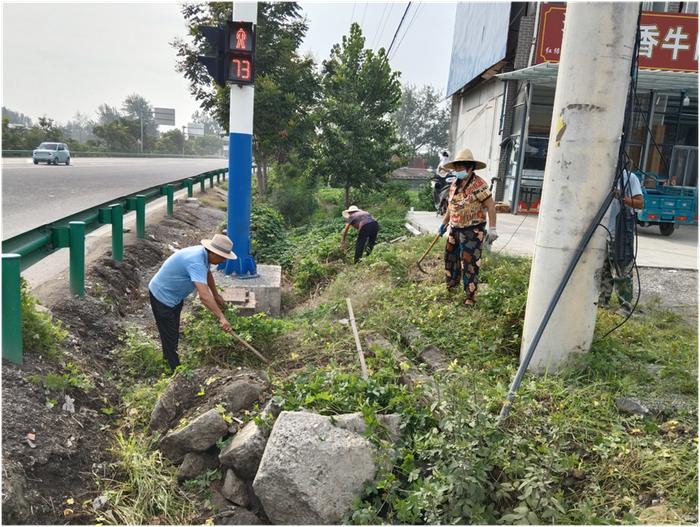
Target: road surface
517, 236
33, 195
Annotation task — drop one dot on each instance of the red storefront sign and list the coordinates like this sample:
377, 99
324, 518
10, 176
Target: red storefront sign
668, 41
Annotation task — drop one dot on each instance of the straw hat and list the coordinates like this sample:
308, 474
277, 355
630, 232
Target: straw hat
464, 155
347, 212
221, 245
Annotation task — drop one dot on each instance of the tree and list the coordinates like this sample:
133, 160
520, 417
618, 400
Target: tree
285, 87
107, 114
137, 108
16, 117
423, 120
357, 137
207, 122
119, 135
170, 142
79, 128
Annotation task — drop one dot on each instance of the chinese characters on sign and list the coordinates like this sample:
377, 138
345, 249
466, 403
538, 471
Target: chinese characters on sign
668, 41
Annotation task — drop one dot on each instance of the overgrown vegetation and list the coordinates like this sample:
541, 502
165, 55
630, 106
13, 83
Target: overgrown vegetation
40, 334
566, 455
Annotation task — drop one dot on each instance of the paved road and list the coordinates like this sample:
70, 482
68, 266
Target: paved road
517, 236
33, 195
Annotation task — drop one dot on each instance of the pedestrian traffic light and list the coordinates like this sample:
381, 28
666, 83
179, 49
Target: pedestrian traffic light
240, 53
215, 61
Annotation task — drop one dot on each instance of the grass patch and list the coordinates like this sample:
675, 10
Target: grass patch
40, 334
567, 455
145, 491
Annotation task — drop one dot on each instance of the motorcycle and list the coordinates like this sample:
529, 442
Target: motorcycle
441, 189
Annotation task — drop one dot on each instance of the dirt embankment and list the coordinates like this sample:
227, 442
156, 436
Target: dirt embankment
51, 454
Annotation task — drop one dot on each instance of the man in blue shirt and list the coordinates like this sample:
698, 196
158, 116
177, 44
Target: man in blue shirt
617, 268
182, 273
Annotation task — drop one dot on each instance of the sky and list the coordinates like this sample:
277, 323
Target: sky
60, 58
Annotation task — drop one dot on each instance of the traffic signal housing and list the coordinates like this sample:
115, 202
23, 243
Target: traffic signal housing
215, 61
240, 53
231, 59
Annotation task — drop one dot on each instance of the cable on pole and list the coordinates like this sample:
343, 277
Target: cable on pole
403, 17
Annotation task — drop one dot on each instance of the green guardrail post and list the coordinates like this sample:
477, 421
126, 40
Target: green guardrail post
201, 184
77, 257
211, 180
190, 192
140, 216
171, 201
117, 231
11, 308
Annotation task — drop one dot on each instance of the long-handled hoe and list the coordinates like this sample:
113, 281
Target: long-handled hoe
437, 237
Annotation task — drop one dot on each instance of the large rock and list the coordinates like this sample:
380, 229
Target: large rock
241, 393
311, 471
236, 516
244, 452
196, 436
205, 388
235, 489
631, 406
179, 393
195, 464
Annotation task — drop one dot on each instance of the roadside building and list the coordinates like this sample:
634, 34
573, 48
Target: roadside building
413, 178
503, 75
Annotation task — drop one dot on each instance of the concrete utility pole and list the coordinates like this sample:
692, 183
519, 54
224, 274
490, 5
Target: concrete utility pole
584, 141
240, 152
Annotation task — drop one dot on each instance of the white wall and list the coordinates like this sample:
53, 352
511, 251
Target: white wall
478, 121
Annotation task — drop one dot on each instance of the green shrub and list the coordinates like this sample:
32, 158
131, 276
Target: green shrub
424, 198
141, 355
206, 342
292, 194
39, 332
268, 236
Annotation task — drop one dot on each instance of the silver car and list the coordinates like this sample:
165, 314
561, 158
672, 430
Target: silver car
51, 153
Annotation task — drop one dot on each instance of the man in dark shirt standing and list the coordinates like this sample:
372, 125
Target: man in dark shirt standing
367, 227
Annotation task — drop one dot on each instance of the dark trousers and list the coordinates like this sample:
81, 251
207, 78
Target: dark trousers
366, 236
168, 322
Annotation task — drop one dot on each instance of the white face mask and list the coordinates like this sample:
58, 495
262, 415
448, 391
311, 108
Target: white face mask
461, 175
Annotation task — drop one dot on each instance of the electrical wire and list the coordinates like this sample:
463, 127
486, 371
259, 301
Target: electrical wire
364, 11
379, 24
396, 49
650, 134
352, 17
386, 20
393, 39
585, 239
624, 186
512, 235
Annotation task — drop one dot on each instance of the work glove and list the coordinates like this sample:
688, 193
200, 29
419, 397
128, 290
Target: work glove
443, 228
491, 235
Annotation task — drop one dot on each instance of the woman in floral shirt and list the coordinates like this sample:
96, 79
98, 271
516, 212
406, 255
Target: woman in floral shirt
469, 198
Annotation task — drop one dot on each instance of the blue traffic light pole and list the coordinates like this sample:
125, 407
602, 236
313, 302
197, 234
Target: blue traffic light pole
240, 163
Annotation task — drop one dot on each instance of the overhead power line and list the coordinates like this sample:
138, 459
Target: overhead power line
403, 17
415, 12
376, 33
388, 16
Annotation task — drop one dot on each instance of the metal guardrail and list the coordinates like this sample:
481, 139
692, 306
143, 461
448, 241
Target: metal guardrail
23, 250
78, 153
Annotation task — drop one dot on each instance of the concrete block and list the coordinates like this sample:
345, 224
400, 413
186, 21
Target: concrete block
266, 287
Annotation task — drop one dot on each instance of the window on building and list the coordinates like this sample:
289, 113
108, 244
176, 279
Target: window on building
655, 6
690, 7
